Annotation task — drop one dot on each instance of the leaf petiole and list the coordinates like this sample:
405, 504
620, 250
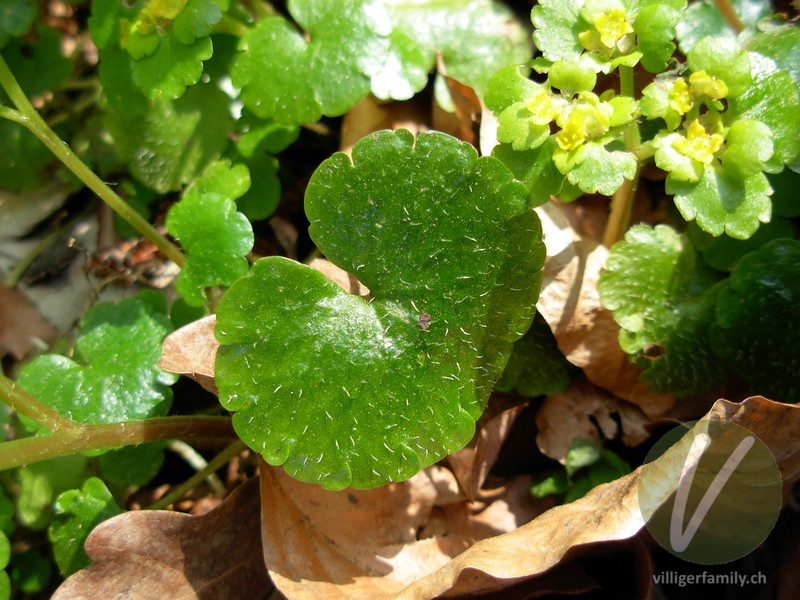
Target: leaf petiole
81, 438
28, 405
27, 116
622, 201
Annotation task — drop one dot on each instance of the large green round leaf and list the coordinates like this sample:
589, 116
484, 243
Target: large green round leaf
351, 391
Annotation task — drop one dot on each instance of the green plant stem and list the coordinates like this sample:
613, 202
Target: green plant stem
729, 14
215, 463
231, 26
28, 405
27, 116
97, 437
619, 217
197, 462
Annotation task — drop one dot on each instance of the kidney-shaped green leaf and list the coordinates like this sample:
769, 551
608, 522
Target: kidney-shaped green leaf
351, 391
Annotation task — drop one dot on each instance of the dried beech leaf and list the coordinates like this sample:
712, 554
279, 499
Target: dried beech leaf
21, 324
586, 332
363, 544
340, 277
152, 555
609, 512
472, 463
191, 350
574, 412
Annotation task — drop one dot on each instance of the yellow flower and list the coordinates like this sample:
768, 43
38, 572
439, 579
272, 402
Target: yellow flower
587, 119
157, 14
679, 96
612, 26
541, 107
698, 144
573, 133
703, 84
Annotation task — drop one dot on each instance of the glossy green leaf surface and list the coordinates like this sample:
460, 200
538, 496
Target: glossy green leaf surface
781, 45
116, 378
647, 285
77, 513
353, 47
755, 311
349, 391
174, 141
536, 366
535, 168
723, 252
215, 236
594, 169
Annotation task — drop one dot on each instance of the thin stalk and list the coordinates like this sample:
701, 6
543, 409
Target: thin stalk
231, 26
206, 473
729, 14
197, 462
28, 405
29, 118
622, 202
97, 437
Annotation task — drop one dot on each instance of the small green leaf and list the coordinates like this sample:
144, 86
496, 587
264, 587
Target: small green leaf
555, 484
261, 200
581, 454
77, 513
536, 366
607, 468
172, 68
723, 252
704, 19
655, 27
132, 465
16, 18
384, 386
6, 514
174, 141
720, 203
5, 550
655, 102
259, 136
647, 284
508, 86
756, 309
294, 81
555, 29
571, 77
117, 378
596, 170
515, 127
724, 59
535, 168
748, 146
40, 484
215, 236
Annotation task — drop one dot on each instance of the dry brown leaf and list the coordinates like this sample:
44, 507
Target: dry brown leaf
153, 555
578, 411
463, 122
608, 512
191, 350
358, 544
372, 115
22, 326
340, 277
585, 331
472, 463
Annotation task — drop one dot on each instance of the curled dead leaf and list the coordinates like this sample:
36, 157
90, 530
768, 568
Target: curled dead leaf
22, 326
152, 555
